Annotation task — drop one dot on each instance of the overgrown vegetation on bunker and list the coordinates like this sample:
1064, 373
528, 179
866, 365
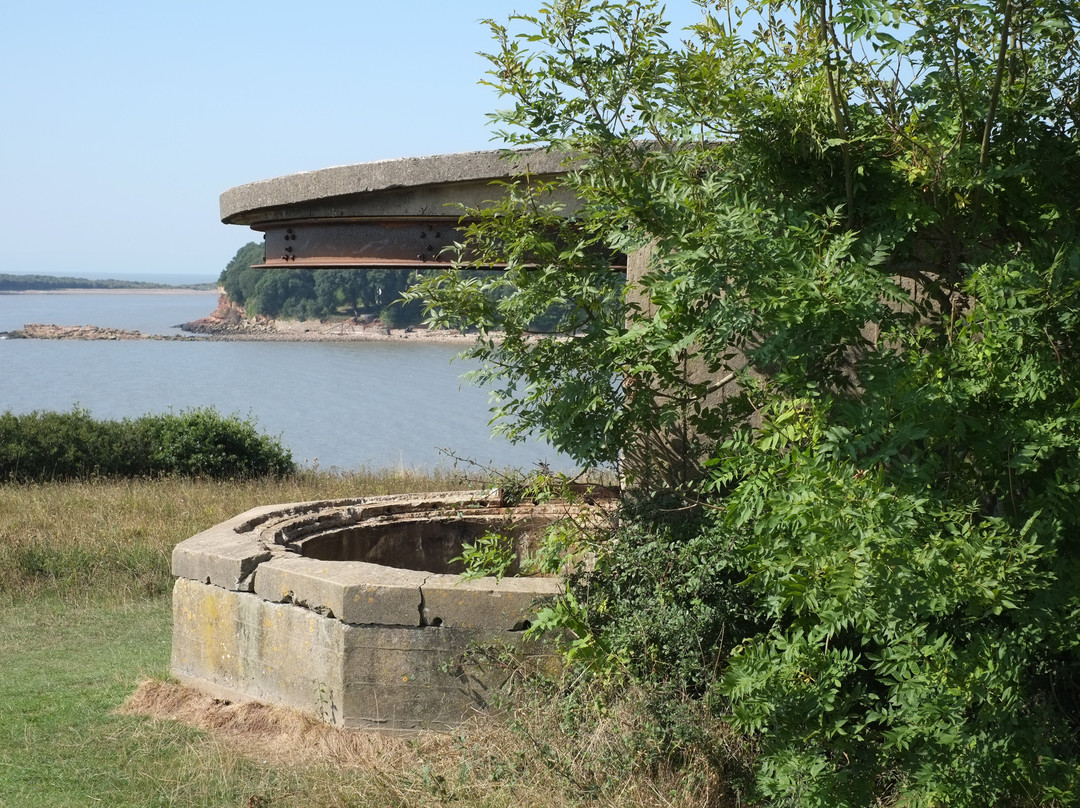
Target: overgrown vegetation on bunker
846, 380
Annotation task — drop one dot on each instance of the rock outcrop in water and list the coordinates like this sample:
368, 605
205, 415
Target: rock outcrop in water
83, 332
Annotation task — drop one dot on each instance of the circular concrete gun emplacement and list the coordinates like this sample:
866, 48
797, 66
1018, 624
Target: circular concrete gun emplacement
355, 610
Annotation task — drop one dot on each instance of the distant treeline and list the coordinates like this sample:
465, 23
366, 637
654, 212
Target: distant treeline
304, 294
47, 283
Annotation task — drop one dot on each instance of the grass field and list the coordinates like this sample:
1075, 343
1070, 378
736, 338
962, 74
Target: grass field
84, 585
85, 618
114, 538
64, 672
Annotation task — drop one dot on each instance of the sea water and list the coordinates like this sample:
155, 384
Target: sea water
345, 405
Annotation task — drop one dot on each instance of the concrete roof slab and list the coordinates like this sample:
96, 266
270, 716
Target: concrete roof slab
246, 204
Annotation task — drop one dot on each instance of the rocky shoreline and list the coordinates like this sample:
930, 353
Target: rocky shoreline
84, 332
229, 323
352, 330
212, 329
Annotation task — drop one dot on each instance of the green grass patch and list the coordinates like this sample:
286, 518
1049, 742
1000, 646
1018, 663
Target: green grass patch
65, 669
85, 616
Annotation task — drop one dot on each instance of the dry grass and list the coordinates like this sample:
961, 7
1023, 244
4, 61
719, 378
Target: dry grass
524, 757
78, 539
270, 733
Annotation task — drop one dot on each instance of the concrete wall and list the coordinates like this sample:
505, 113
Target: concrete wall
236, 645
355, 643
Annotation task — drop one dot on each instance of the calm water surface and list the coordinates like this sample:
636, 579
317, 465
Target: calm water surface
335, 404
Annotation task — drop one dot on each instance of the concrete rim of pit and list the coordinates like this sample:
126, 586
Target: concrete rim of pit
256, 552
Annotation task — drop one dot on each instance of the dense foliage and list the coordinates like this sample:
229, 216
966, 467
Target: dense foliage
40, 446
304, 294
861, 324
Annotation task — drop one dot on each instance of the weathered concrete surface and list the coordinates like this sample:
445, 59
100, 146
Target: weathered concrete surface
235, 646
357, 643
412, 186
508, 603
351, 591
227, 554
220, 556
401, 214
360, 593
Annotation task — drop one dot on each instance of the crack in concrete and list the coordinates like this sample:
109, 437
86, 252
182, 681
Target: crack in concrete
423, 617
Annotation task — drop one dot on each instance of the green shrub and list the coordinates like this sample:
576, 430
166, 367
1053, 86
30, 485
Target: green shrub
52, 445
666, 607
40, 446
204, 443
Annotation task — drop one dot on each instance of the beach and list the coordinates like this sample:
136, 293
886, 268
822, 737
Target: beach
351, 330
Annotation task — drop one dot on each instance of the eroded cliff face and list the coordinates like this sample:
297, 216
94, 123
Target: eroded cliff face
227, 312
227, 318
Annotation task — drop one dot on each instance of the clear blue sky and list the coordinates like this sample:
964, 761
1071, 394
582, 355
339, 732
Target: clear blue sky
122, 121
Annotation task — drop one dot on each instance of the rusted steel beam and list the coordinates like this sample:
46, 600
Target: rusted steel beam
407, 242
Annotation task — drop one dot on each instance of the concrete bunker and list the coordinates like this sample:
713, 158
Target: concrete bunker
354, 610
405, 213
